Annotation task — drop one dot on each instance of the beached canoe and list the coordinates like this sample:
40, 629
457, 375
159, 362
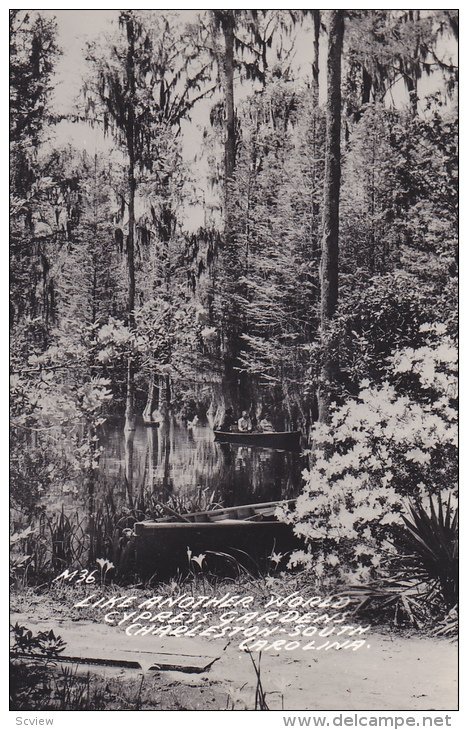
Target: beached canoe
285, 440
249, 534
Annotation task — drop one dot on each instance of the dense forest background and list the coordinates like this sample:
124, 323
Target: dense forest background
329, 235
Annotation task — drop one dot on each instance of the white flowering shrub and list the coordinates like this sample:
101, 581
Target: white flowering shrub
394, 442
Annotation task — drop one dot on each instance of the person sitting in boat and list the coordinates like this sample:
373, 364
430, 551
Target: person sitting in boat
253, 418
244, 423
229, 421
265, 424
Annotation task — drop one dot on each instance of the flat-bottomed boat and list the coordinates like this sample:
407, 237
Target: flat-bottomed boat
247, 535
284, 440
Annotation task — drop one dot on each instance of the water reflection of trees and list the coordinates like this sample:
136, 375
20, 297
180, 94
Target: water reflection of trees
174, 461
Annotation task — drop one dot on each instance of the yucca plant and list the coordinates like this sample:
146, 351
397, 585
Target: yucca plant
424, 577
448, 627
392, 598
430, 538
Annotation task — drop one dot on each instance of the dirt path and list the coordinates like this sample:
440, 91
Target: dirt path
392, 673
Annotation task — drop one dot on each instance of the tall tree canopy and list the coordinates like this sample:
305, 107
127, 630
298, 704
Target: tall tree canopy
292, 181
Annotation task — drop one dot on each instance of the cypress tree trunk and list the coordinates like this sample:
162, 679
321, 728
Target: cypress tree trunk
130, 397
129, 443
315, 204
412, 75
315, 114
315, 63
230, 141
330, 221
167, 394
147, 413
230, 255
366, 87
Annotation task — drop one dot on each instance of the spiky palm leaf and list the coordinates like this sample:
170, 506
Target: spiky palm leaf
431, 536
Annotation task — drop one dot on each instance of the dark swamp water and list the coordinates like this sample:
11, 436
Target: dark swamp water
176, 462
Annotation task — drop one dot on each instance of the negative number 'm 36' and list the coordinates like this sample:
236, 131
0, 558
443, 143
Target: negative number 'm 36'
78, 576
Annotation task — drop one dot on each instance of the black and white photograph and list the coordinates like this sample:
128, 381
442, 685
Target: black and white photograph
234, 363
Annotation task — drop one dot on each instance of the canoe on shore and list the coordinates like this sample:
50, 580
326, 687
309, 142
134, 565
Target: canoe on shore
285, 440
248, 534
251, 512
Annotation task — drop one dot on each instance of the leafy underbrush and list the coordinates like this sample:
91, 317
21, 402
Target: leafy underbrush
52, 542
